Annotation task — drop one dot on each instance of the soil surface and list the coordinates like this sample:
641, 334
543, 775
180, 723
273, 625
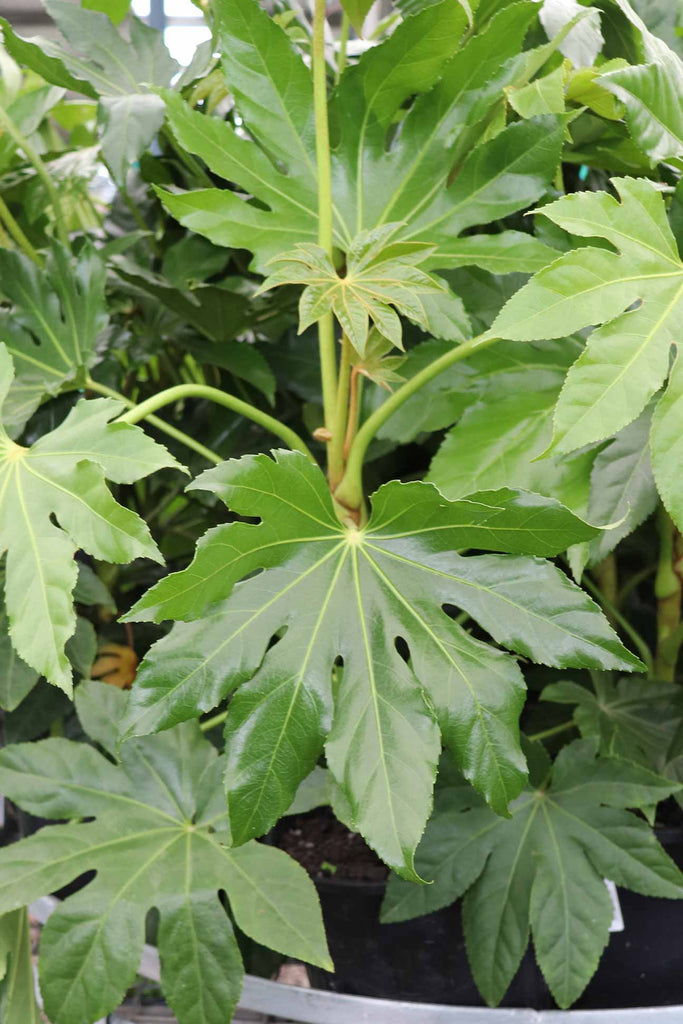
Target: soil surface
327, 849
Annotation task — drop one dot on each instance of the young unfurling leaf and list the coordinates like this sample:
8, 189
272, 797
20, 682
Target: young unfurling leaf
379, 281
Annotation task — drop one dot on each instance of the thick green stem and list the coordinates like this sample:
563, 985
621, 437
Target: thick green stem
16, 233
668, 591
350, 491
328, 354
166, 428
335, 451
183, 391
41, 170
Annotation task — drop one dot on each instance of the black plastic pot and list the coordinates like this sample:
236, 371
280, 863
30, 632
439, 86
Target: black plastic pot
424, 960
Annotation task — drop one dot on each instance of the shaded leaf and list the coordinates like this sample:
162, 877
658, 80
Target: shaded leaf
622, 486
58, 315
541, 871
18, 1004
634, 719
156, 810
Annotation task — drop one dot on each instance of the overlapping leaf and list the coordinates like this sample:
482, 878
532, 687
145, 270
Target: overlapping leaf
330, 591
156, 841
56, 318
542, 871
636, 293
651, 93
380, 177
97, 60
379, 281
18, 1004
622, 488
508, 425
634, 719
62, 477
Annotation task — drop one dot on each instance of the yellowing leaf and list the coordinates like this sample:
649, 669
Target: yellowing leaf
116, 665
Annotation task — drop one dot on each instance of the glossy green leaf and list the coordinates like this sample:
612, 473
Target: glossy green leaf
626, 360
63, 475
631, 718
155, 840
56, 319
350, 592
542, 871
18, 1004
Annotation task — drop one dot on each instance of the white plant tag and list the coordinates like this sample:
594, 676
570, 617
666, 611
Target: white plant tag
617, 924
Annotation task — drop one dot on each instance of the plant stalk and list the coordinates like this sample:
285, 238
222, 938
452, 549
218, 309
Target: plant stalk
183, 391
343, 45
328, 354
335, 450
166, 428
350, 491
41, 170
354, 409
16, 233
668, 591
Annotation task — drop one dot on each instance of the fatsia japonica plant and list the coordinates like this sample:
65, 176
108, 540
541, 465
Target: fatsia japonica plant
336, 253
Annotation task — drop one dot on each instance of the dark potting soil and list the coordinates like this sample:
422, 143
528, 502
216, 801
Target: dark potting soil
327, 849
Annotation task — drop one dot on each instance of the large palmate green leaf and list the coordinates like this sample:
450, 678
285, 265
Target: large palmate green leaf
631, 718
18, 1004
350, 592
97, 60
57, 316
156, 840
62, 477
381, 176
542, 871
626, 360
